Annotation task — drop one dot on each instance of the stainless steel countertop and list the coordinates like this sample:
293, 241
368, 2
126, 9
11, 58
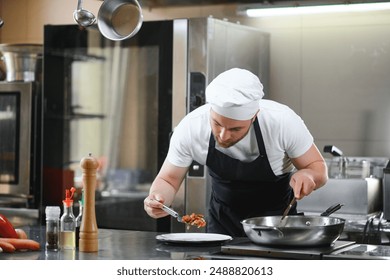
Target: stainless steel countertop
142, 245
113, 245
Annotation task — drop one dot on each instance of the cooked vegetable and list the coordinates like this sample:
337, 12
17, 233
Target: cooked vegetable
194, 220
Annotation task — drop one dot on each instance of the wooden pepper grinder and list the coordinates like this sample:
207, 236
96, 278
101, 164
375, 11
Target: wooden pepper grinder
88, 230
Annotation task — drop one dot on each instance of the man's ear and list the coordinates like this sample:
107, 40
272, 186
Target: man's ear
254, 117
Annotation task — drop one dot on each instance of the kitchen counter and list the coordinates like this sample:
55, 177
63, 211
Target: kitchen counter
142, 245
113, 245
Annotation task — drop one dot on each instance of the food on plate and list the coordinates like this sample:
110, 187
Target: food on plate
194, 220
6, 228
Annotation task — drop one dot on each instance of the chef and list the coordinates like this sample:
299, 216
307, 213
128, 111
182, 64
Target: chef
258, 152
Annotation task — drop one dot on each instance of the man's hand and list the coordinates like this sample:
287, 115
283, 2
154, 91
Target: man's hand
152, 205
302, 183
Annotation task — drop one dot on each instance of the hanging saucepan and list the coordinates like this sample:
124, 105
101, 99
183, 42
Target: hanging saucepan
296, 231
119, 19
23, 62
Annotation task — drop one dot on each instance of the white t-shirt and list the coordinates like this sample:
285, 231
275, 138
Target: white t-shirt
284, 133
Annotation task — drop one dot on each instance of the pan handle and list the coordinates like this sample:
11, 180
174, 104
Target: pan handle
332, 209
259, 229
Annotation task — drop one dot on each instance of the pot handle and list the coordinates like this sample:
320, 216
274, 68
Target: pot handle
332, 209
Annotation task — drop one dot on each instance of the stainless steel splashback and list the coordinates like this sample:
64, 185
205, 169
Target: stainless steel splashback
357, 167
359, 196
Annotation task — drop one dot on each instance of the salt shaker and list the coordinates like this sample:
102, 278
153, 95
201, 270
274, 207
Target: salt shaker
52, 228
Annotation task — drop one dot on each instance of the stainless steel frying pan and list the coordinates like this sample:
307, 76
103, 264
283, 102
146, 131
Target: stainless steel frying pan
298, 231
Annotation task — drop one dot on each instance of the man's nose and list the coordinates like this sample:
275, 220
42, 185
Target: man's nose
224, 134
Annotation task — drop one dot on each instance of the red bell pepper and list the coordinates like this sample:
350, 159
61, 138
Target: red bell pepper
6, 228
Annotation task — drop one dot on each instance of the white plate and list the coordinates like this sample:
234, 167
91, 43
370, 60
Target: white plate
193, 237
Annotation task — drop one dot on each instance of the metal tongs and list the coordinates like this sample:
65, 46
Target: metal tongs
287, 210
171, 212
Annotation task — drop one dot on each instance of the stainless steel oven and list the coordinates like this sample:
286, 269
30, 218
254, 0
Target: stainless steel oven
15, 137
20, 149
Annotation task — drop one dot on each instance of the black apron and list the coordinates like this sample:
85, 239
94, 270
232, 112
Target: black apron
243, 190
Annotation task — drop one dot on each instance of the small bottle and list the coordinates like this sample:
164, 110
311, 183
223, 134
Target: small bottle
52, 227
78, 219
68, 223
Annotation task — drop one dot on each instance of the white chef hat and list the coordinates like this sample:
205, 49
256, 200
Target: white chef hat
235, 94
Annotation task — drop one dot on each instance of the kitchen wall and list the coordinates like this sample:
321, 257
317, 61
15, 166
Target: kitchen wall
331, 69
334, 71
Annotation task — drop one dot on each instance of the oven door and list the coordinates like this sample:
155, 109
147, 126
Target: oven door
15, 138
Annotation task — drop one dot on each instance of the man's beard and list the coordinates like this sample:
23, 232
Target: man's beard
225, 144
229, 144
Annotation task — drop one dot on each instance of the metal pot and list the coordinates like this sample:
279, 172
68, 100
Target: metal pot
23, 62
119, 19
297, 231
